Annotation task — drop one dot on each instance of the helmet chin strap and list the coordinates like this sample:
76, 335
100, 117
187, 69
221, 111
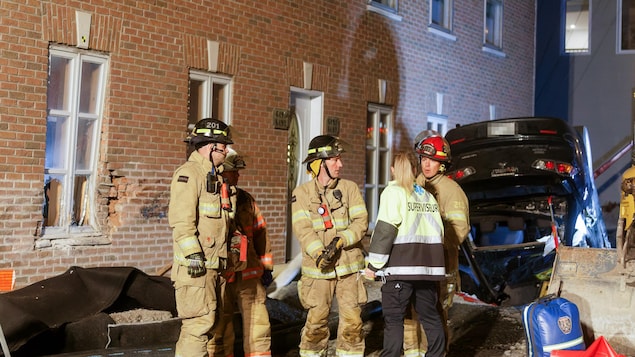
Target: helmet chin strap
328, 172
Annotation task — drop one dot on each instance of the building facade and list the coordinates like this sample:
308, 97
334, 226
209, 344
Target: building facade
585, 76
96, 99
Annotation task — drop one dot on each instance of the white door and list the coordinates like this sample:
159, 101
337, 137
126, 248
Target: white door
306, 123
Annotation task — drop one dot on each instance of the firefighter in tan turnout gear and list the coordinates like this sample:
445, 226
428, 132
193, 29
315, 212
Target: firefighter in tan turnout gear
330, 220
434, 155
199, 230
249, 272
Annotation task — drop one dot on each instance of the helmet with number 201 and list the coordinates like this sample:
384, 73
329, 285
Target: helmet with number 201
209, 130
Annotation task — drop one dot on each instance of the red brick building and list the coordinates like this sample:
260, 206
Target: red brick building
96, 98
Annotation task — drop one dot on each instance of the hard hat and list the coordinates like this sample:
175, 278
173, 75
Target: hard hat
233, 161
434, 147
324, 147
209, 130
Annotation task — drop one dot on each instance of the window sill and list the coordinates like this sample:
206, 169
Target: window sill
389, 14
441, 33
495, 52
70, 239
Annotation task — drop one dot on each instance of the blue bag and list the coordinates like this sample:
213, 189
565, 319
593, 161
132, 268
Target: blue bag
552, 323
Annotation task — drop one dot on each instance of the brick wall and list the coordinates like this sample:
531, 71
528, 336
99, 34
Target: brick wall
152, 45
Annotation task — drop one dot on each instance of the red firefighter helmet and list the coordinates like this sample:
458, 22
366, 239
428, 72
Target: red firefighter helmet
434, 147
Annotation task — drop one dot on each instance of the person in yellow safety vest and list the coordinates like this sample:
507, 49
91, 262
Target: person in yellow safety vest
199, 230
249, 272
329, 220
407, 247
435, 156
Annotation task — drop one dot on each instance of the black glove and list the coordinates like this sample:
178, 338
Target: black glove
324, 260
267, 278
329, 253
197, 265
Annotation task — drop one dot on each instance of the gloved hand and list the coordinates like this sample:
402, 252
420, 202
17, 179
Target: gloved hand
197, 264
324, 260
329, 253
267, 278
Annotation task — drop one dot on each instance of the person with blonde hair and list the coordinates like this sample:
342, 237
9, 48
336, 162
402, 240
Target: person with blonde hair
406, 248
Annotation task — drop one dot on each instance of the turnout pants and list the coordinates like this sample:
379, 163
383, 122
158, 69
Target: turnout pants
197, 305
316, 295
248, 297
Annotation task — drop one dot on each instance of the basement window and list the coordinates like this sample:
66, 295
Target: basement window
75, 97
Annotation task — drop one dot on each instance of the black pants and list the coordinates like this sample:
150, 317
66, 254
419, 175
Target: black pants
395, 297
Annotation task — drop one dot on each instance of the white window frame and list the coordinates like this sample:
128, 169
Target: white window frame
618, 43
376, 180
446, 24
438, 123
67, 171
387, 8
206, 107
496, 42
575, 26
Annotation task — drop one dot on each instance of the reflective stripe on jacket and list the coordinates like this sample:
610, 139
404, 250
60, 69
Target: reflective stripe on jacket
197, 221
407, 242
348, 216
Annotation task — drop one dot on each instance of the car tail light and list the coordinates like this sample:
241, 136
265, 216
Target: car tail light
561, 168
461, 173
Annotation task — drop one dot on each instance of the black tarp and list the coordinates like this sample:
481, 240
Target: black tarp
33, 318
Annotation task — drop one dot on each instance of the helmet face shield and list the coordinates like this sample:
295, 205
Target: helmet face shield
324, 147
435, 148
234, 161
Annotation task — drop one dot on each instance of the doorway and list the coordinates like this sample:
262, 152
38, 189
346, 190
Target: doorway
305, 109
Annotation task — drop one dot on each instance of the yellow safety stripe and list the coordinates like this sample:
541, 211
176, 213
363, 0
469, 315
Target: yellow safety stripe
188, 244
343, 270
414, 353
323, 148
183, 261
340, 270
209, 209
358, 210
343, 353
348, 236
314, 247
312, 353
207, 131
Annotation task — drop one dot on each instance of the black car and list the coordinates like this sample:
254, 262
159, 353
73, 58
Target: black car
530, 186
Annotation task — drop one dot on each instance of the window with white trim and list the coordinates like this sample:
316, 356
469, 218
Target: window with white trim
438, 123
626, 27
388, 8
494, 24
390, 5
378, 156
75, 98
441, 12
577, 31
209, 97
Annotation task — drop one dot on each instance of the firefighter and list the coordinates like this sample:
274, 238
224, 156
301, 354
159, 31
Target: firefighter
407, 247
435, 156
199, 230
249, 272
330, 220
